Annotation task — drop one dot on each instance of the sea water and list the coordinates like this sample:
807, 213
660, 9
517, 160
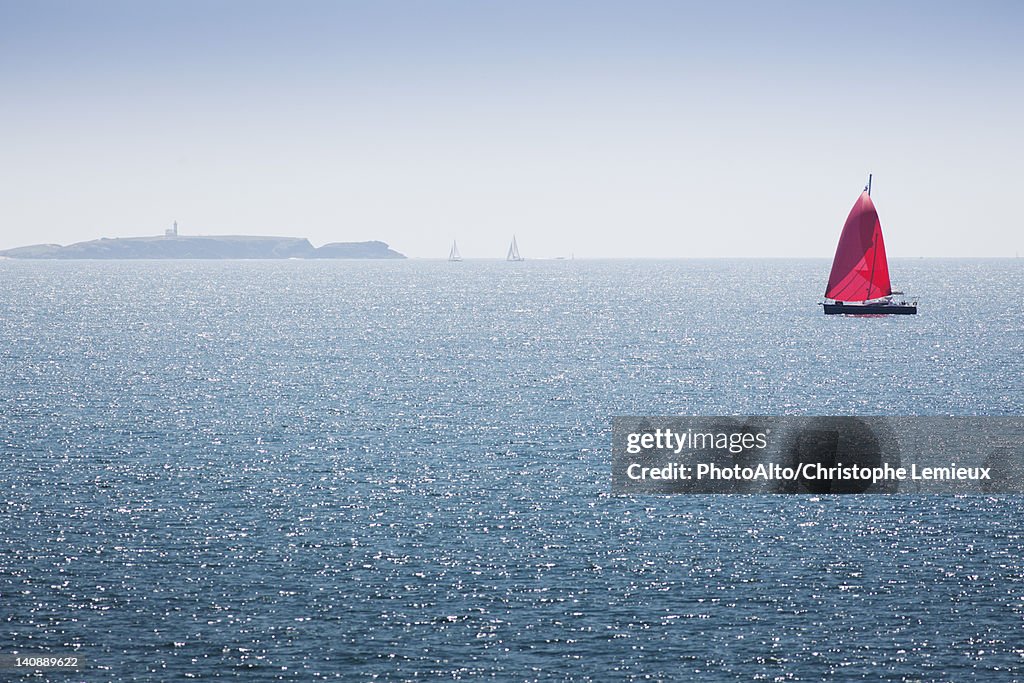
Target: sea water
306, 470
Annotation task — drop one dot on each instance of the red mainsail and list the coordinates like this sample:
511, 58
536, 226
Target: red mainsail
860, 271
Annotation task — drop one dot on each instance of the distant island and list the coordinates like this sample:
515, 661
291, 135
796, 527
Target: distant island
173, 246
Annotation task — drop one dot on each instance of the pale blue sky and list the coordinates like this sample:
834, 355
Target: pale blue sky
594, 128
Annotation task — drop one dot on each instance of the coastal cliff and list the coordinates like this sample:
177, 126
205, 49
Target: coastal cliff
204, 247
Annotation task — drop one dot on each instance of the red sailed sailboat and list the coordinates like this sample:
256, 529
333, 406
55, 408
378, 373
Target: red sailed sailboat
859, 283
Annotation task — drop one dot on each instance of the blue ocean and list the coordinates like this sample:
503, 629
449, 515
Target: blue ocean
309, 470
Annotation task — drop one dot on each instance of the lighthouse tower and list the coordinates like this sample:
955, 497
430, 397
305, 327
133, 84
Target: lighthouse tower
172, 231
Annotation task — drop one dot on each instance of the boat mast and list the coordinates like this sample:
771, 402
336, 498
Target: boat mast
874, 253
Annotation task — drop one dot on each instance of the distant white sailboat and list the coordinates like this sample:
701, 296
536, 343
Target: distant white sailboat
454, 254
513, 251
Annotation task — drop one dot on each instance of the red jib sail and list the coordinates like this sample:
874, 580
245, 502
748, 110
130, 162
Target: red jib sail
860, 271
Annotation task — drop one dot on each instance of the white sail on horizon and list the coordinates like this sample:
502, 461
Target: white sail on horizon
513, 251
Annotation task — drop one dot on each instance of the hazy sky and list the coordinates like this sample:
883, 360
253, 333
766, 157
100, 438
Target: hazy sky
595, 128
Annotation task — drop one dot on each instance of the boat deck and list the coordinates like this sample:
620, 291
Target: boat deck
839, 308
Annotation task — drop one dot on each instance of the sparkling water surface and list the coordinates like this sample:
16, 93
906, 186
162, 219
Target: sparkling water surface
401, 470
